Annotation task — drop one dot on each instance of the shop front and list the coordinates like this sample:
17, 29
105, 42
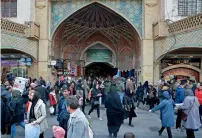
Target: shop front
182, 68
15, 65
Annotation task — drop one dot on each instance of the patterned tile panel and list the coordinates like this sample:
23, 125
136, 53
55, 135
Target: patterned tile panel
11, 41
129, 9
188, 39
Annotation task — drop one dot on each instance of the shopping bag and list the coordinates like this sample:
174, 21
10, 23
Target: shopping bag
51, 109
90, 132
32, 131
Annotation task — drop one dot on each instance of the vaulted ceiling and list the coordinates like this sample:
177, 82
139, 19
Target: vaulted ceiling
94, 18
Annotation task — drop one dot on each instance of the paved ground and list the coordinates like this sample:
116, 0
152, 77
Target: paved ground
146, 125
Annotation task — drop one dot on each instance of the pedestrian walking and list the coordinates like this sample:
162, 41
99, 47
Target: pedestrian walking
179, 98
53, 100
190, 109
115, 112
129, 105
139, 93
78, 124
63, 115
17, 103
36, 114
95, 104
166, 108
198, 94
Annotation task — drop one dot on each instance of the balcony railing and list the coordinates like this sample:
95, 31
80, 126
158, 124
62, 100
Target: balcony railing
12, 27
186, 24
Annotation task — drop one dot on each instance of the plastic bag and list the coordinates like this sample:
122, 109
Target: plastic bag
90, 132
32, 131
51, 110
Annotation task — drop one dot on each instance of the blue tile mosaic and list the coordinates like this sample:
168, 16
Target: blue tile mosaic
131, 10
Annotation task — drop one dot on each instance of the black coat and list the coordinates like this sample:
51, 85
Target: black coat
115, 111
129, 106
43, 92
18, 108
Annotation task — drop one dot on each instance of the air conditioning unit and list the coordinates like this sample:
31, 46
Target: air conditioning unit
160, 29
32, 30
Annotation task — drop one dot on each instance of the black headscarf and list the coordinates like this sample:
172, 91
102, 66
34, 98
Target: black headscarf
113, 103
34, 102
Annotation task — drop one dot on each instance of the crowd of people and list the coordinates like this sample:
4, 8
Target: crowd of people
67, 99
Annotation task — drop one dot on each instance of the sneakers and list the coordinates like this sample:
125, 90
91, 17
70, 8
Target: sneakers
89, 116
179, 129
100, 118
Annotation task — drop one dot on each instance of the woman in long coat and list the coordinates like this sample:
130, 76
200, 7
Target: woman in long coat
166, 108
37, 112
129, 106
191, 109
115, 112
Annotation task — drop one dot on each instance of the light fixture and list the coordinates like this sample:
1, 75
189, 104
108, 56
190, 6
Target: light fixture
191, 56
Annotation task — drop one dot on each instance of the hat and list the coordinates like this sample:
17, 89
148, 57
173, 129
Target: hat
166, 84
58, 132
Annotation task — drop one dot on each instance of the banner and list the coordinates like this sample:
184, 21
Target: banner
20, 84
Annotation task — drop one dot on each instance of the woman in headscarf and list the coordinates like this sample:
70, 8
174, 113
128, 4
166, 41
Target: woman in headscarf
37, 112
129, 106
166, 108
115, 112
95, 95
191, 109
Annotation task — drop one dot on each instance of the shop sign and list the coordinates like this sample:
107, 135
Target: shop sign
20, 84
99, 55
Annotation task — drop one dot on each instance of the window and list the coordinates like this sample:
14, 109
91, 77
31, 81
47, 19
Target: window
9, 8
189, 7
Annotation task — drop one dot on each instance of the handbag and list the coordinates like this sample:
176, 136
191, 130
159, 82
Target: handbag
184, 115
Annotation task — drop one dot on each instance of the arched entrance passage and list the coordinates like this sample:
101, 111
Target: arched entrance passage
96, 69
97, 23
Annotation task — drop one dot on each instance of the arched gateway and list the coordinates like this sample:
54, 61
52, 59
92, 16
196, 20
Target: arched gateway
98, 36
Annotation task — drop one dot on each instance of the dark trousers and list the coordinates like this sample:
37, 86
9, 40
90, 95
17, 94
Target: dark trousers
190, 133
130, 120
84, 104
168, 131
94, 107
151, 103
178, 120
41, 135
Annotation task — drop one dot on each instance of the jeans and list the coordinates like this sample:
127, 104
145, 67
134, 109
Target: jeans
13, 128
121, 94
168, 131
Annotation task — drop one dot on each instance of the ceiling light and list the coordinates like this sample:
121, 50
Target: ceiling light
191, 56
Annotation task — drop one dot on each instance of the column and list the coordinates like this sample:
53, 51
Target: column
42, 17
150, 15
200, 72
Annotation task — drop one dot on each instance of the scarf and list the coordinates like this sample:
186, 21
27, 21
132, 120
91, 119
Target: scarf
32, 115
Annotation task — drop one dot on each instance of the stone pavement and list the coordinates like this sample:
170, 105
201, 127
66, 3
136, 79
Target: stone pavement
146, 125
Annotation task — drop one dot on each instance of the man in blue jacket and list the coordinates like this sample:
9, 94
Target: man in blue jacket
179, 99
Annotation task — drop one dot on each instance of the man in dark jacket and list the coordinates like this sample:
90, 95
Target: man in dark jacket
17, 103
179, 99
63, 115
42, 91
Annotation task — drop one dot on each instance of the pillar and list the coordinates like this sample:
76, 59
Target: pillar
200, 77
150, 15
42, 17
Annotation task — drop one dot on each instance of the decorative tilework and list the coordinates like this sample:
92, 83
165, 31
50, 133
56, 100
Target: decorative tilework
131, 10
188, 39
11, 41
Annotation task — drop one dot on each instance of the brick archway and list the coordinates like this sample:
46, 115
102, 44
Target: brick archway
96, 23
